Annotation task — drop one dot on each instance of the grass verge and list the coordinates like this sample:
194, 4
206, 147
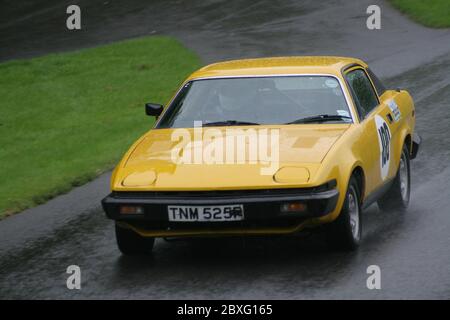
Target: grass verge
66, 118
431, 13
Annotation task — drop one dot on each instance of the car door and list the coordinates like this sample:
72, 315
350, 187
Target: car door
390, 111
374, 143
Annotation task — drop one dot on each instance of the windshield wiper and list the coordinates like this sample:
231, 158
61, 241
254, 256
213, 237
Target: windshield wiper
321, 118
230, 123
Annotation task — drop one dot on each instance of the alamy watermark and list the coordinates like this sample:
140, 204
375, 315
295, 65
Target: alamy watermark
374, 20
374, 280
73, 21
229, 146
74, 280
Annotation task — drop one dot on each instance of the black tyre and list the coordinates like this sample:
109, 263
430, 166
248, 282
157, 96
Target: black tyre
345, 232
130, 243
397, 197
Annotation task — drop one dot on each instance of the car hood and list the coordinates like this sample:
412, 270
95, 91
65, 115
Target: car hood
151, 165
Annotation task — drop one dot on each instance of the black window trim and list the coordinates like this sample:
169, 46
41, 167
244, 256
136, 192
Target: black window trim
174, 98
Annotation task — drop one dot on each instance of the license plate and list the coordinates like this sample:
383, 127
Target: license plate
206, 213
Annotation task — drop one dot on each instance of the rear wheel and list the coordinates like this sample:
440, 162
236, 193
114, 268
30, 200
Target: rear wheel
345, 232
130, 243
397, 197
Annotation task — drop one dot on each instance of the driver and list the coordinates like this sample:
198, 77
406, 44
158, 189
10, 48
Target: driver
237, 98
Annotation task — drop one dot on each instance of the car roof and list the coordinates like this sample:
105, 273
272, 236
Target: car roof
276, 66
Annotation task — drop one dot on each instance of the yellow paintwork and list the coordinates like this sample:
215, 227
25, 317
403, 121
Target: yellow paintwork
275, 66
290, 174
136, 179
300, 145
310, 154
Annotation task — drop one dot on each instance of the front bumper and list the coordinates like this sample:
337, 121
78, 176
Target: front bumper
261, 210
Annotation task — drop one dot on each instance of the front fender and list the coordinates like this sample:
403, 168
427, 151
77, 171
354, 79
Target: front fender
340, 163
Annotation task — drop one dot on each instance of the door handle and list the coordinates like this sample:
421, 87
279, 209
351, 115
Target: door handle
389, 116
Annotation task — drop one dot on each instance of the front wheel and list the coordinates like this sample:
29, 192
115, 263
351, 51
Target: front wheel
345, 232
130, 243
397, 197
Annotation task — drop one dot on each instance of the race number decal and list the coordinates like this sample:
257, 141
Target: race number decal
384, 139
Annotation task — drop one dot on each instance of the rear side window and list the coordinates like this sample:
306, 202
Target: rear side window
379, 86
362, 91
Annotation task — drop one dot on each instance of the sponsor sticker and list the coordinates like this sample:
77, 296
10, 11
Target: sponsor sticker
331, 83
343, 113
395, 110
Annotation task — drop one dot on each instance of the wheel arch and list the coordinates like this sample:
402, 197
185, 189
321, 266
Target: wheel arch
408, 142
405, 139
358, 173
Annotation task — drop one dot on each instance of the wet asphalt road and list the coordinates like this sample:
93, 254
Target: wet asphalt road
412, 248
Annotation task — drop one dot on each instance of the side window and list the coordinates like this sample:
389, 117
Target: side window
362, 91
379, 86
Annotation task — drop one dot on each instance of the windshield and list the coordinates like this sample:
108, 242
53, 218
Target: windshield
257, 100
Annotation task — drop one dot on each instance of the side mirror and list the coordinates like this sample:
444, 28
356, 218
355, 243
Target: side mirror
153, 109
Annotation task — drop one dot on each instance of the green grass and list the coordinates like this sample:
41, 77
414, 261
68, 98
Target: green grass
431, 13
66, 118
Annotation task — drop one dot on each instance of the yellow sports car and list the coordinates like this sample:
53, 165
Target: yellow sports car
266, 146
